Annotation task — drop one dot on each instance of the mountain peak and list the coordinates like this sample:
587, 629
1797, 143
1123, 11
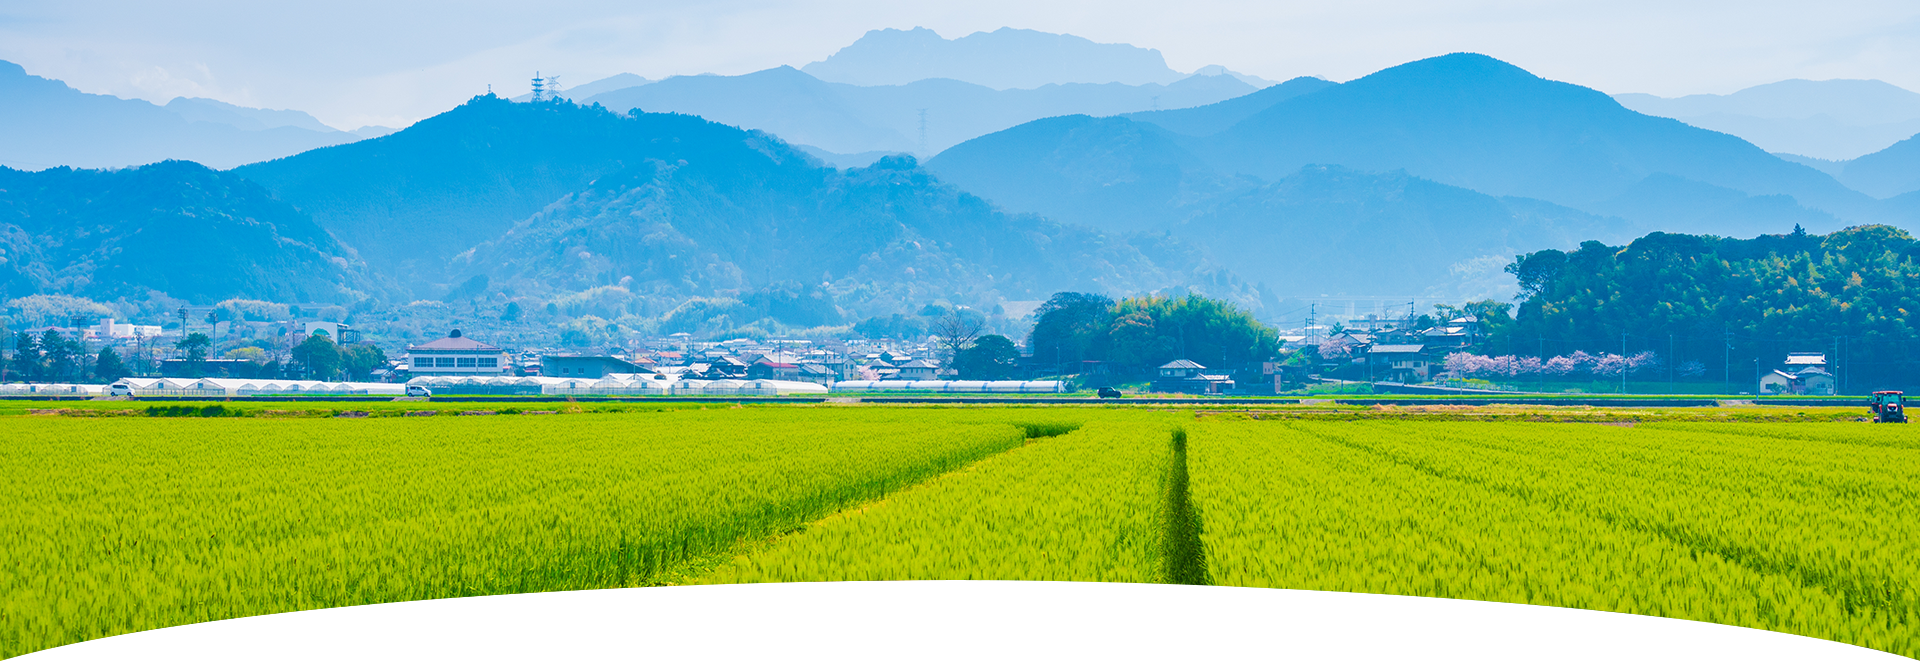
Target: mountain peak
1007, 58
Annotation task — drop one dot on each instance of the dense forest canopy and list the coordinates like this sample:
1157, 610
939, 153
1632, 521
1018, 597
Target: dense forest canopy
1136, 335
1728, 302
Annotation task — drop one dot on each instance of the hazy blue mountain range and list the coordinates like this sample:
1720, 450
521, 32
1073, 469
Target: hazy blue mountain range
849, 119
243, 118
1473, 121
556, 197
617, 81
1108, 172
174, 228
1331, 230
1461, 120
44, 123
761, 213
1826, 119
1888, 172
409, 201
1202, 121
1006, 58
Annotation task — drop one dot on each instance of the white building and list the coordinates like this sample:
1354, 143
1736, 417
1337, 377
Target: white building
456, 356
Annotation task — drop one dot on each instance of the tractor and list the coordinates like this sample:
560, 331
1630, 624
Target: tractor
1889, 407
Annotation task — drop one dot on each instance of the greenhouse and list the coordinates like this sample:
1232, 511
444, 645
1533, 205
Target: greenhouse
953, 386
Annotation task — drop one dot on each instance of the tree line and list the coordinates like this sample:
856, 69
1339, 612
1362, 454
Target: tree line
1733, 305
55, 357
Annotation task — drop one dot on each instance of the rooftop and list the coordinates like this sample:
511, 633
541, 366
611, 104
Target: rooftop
454, 342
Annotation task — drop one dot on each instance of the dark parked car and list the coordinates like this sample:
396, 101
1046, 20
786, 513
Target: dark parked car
1108, 393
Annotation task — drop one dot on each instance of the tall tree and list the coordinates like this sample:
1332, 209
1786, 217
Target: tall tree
318, 356
26, 357
193, 349
1071, 327
59, 355
108, 367
991, 358
359, 360
956, 330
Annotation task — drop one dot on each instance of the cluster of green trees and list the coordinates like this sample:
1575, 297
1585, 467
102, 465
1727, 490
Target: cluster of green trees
323, 360
1136, 335
52, 357
1735, 305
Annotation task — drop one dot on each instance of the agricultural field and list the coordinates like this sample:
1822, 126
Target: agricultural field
1806, 528
131, 518
131, 523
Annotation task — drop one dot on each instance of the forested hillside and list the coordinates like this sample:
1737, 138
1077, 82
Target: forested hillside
172, 229
1852, 292
760, 213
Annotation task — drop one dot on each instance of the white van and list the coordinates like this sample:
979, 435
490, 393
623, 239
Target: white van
419, 391
119, 390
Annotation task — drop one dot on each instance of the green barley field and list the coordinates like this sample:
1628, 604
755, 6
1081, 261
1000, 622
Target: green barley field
117, 523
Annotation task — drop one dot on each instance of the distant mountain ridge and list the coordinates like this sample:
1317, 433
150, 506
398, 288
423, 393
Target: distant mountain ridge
45, 123
553, 197
849, 119
1006, 58
1473, 121
1826, 119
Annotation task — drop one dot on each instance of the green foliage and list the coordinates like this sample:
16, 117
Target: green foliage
991, 358
1139, 334
895, 326
358, 361
60, 358
318, 356
193, 348
108, 367
192, 411
175, 227
1071, 327
1771, 294
1149, 332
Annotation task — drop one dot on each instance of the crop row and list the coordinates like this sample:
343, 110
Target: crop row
1765, 530
125, 524
1086, 506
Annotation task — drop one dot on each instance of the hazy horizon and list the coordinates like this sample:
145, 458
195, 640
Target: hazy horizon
366, 64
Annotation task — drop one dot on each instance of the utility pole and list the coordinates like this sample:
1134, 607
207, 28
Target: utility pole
1623, 363
1726, 363
1670, 363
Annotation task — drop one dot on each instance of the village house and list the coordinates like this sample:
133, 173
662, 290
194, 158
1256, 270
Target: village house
1186, 376
1402, 363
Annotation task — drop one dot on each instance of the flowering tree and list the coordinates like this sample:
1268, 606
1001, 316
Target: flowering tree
1578, 362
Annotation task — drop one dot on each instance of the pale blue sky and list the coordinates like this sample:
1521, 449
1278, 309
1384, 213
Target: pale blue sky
357, 62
